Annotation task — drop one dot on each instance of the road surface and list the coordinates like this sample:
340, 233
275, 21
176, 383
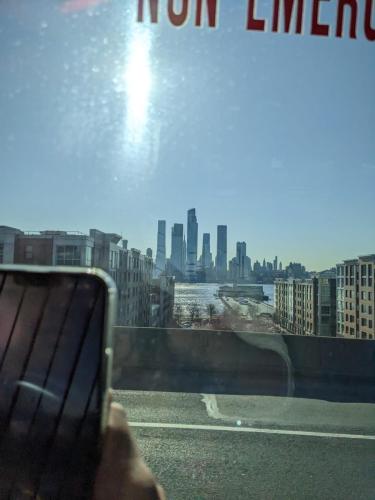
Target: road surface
236, 447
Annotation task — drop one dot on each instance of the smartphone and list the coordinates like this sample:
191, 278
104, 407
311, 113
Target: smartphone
55, 367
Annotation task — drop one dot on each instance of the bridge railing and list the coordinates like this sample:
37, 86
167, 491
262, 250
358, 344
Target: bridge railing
227, 362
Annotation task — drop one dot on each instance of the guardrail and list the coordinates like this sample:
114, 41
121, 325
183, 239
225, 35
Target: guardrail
226, 362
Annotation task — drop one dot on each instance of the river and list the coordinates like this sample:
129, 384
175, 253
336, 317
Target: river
203, 294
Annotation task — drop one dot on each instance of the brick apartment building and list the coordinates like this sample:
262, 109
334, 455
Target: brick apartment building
356, 298
162, 299
307, 306
131, 271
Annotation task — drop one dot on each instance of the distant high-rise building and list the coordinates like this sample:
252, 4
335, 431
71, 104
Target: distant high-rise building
275, 267
160, 261
241, 258
296, 270
206, 259
221, 255
184, 252
192, 245
177, 251
264, 265
149, 253
280, 266
247, 267
257, 267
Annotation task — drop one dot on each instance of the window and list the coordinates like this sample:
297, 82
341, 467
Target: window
259, 138
364, 322
28, 252
69, 255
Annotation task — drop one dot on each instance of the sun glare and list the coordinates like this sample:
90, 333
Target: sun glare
137, 79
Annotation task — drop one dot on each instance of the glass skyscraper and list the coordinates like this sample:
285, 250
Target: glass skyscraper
192, 246
221, 255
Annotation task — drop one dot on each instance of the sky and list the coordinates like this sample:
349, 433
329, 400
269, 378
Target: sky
113, 124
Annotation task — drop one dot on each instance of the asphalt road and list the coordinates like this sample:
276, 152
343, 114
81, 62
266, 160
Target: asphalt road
237, 447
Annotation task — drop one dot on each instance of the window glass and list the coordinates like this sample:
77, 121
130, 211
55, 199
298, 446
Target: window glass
216, 158
68, 256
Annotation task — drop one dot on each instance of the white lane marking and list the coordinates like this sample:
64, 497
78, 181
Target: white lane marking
160, 425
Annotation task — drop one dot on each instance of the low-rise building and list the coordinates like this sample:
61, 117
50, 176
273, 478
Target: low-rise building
7, 244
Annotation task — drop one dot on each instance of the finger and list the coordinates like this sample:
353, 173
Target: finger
119, 443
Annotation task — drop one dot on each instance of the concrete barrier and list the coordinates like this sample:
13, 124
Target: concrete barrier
224, 362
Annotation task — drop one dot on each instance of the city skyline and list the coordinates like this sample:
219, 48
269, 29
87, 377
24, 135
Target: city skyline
124, 126
173, 249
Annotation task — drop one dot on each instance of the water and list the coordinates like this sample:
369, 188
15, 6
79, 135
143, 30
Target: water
202, 294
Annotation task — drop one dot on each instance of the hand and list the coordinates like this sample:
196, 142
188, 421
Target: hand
122, 473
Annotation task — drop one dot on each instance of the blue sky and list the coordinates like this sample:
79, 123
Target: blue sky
110, 124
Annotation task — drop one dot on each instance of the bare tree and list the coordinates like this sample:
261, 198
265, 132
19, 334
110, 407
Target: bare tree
211, 311
194, 313
178, 313
253, 310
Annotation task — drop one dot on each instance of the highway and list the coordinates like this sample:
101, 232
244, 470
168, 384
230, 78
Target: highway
243, 447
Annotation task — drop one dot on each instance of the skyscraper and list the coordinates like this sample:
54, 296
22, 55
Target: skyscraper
241, 260
221, 255
206, 260
275, 266
192, 245
184, 250
177, 251
160, 261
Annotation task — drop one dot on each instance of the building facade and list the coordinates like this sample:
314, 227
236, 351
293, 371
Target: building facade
162, 301
206, 260
306, 307
356, 298
160, 259
192, 246
177, 262
7, 243
131, 271
221, 262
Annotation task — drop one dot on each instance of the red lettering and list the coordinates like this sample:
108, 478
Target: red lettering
211, 6
353, 17
369, 30
316, 27
153, 6
288, 11
252, 23
178, 19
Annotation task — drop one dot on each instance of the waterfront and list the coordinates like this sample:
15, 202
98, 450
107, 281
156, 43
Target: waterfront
202, 294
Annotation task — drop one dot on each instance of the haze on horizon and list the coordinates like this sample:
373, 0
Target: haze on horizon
114, 125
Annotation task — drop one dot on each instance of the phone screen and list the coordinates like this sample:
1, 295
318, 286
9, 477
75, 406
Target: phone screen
51, 383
